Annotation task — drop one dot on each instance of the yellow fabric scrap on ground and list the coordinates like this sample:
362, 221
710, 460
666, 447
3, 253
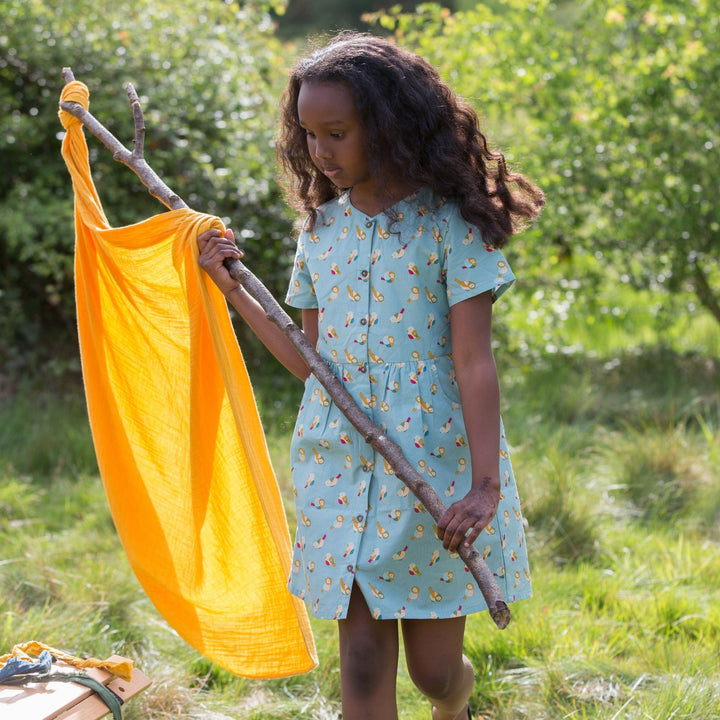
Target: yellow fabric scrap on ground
179, 443
24, 651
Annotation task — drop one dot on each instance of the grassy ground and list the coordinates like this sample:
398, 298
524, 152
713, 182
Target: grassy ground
618, 459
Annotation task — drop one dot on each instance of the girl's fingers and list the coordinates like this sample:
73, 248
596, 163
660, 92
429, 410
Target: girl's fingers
475, 531
223, 251
461, 536
206, 237
215, 236
216, 249
453, 533
463, 522
209, 254
447, 524
458, 530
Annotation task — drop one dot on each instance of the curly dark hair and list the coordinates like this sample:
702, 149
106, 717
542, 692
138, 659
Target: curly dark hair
415, 127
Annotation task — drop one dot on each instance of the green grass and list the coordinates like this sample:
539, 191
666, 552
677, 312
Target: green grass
618, 460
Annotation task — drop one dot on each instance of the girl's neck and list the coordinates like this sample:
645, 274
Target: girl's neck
371, 203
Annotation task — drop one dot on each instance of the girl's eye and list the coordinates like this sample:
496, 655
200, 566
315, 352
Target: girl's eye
335, 135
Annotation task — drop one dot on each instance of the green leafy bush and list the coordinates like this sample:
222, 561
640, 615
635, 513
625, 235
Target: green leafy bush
208, 76
612, 109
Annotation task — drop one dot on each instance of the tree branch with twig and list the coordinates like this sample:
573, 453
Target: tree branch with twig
377, 439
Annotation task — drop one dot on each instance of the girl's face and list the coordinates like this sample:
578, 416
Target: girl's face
327, 112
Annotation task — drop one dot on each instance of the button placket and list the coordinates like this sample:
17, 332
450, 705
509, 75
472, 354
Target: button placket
362, 387
355, 350
365, 277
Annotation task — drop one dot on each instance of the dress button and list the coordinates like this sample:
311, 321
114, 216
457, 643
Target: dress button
350, 568
364, 273
363, 321
362, 368
368, 223
359, 518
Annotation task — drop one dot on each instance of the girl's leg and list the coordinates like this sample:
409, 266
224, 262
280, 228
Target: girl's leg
437, 666
368, 663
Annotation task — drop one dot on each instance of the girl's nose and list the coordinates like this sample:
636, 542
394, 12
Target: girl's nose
322, 151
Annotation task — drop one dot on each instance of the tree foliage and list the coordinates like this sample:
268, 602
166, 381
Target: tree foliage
613, 109
208, 74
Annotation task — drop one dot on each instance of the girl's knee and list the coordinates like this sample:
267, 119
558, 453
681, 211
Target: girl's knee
367, 664
368, 649
433, 681
440, 681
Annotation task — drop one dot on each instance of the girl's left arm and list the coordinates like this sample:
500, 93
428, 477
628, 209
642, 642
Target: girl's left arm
477, 379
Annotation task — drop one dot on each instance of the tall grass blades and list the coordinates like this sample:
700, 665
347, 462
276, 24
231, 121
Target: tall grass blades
617, 461
46, 436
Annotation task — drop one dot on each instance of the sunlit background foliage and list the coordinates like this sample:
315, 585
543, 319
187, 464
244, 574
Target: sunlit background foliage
209, 75
611, 107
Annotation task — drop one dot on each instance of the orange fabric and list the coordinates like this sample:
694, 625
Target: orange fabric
177, 435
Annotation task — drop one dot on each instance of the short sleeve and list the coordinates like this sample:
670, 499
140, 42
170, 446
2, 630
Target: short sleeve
472, 268
301, 291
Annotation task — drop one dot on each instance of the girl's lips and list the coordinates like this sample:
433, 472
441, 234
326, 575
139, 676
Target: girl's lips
331, 172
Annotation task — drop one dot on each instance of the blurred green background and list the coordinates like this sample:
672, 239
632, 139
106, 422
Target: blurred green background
612, 108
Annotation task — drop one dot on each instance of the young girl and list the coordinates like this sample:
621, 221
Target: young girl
397, 267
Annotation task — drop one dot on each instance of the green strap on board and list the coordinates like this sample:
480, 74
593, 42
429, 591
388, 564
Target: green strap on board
106, 694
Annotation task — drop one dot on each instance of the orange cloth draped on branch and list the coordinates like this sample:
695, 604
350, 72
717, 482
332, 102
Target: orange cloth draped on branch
179, 443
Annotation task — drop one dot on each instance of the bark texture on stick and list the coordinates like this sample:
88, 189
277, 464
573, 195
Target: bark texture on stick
135, 160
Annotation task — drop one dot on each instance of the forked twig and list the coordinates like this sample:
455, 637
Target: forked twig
135, 160
377, 439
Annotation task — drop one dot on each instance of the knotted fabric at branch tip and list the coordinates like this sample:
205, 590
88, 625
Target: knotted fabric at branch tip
74, 91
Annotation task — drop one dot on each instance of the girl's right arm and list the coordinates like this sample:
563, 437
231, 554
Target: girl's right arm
214, 248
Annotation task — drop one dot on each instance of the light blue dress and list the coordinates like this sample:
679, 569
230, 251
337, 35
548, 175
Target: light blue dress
384, 286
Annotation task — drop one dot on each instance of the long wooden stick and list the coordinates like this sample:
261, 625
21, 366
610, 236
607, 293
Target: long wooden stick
497, 606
